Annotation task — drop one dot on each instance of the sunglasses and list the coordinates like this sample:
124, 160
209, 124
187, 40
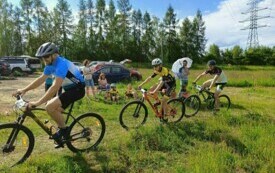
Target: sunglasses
46, 57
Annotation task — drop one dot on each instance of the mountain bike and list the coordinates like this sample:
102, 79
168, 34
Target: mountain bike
209, 99
192, 104
17, 141
134, 114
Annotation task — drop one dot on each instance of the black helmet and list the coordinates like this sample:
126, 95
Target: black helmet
211, 62
46, 49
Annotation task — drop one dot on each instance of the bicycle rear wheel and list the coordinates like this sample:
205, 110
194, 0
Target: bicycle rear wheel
176, 110
133, 115
86, 132
13, 153
224, 102
192, 105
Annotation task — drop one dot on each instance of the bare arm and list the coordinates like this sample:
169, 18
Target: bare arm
145, 81
50, 92
158, 87
199, 77
214, 81
36, 83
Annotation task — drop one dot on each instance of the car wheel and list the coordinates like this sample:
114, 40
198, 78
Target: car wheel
134, 78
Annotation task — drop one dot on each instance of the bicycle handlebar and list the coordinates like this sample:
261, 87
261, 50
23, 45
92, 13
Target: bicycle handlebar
20, 103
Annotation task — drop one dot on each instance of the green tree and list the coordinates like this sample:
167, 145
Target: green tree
123, 25
80, 50
214, 53
172, 44
186, 38
90, 25
199, 40
100, 27
148, 42
27, 10
63, 22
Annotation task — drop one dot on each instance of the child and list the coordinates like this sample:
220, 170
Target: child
102, 82
219, 80
113, 93
130, 92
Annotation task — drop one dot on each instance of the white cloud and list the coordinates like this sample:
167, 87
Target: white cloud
223, 27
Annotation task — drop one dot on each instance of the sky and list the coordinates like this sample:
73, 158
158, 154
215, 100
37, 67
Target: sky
221, 17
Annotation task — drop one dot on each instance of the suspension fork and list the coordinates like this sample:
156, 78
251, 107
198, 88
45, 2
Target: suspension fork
138, 109
15, 131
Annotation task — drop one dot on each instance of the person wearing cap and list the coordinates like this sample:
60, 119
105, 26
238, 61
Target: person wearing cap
219, 80
66, 75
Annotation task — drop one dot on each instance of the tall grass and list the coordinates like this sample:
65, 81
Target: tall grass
239, 140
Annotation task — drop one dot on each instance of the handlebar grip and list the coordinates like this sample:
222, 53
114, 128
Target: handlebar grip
18, 96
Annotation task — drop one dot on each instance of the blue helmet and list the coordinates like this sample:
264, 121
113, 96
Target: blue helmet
211, 62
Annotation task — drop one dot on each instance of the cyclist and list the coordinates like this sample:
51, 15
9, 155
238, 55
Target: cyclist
166, 85
219, 80
66, 75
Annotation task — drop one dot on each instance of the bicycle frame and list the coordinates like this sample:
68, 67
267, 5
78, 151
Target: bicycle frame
146, 96
28, 113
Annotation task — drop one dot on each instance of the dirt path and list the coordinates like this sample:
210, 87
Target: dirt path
9, 86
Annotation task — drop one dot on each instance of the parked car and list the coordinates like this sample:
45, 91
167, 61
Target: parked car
115, 72
5, 69
79, 65
22, 63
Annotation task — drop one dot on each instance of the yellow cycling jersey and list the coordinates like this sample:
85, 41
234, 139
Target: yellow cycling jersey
164, 74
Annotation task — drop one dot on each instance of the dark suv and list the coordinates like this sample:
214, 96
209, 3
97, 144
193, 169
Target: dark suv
5, 69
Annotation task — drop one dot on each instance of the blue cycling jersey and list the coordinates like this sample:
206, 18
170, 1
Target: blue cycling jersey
66, 70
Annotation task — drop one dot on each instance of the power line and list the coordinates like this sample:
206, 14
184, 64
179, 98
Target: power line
252, 40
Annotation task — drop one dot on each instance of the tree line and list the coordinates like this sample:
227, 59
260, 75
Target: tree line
102, 32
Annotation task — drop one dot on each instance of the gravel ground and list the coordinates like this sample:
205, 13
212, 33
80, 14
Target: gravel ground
7, 87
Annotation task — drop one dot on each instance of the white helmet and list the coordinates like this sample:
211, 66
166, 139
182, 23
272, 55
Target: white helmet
156, 61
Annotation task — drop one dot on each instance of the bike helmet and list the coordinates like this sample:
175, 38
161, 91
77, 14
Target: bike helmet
113, 85
46, 49
211, 62
156, 61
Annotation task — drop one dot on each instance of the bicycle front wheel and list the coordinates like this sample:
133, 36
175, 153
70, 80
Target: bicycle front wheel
192, 105
176, 110
133, 115
86, 132
16, 144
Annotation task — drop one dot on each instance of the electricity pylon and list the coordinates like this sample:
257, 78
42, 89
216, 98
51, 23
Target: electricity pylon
252, 40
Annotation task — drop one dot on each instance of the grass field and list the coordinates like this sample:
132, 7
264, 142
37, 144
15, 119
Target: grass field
239, 140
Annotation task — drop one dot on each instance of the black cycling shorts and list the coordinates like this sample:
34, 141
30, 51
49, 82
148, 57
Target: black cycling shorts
169, 87
71, 95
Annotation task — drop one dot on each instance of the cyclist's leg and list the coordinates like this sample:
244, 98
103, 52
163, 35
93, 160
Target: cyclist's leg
169, 91
219, 89
155, 96
54, 109
55, 106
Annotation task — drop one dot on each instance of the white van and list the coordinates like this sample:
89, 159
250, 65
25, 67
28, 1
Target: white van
23, 63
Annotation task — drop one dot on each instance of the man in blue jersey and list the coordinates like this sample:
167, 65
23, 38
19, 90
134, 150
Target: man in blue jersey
66, 75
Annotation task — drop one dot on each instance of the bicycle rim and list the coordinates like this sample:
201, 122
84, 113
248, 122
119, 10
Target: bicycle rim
133, 115
21, 148
86, 132
192, 105
176, 111
224, 102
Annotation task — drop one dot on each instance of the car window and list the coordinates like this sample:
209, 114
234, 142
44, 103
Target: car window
116, 70
105, 70
15, 61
